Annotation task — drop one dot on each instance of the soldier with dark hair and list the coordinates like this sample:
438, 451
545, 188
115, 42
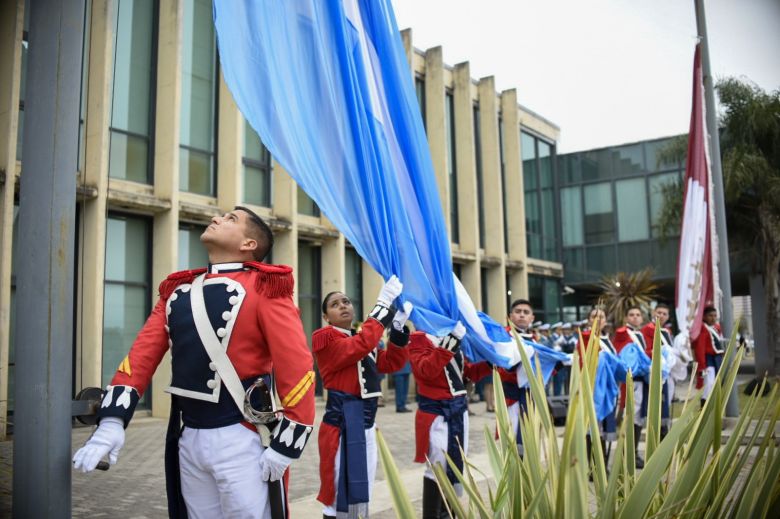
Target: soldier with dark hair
236, 339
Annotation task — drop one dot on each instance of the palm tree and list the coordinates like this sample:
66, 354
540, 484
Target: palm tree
621, 291
750, 129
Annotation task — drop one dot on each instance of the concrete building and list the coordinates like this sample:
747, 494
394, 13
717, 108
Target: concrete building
163, 148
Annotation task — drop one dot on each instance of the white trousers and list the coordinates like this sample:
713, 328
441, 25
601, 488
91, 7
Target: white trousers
371, 460
709, 382
438, 439
220, 473
638, 397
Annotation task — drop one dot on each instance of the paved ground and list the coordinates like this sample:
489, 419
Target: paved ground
135, 487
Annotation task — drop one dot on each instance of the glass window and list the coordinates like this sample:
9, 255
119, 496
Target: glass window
310, 293
548, 224
457, 269
571, 214
528, 152
633, 256
306, 205
545, 164
127, 290
480, 180
198, 99
192, 253
257, 169
628, 160
651, 153
452, 166
552, 300
536, 295
632, 209
656, 184
570, 167
599, 218
596, 165
419, 89
664, 257
132, 104
574, 264
353, 277
600, 260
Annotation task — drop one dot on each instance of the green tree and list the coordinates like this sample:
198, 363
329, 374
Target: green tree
750, 143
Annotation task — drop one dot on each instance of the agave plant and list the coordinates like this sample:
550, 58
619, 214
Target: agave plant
623, 290
691, 472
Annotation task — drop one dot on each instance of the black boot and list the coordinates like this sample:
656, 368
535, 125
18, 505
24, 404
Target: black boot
432, 502
326, 516
639, 463
664, 432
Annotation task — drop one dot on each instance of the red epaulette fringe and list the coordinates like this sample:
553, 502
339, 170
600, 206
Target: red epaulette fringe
170, 283
273, 280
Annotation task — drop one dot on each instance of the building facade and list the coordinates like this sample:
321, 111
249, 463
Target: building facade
610, 200
163, 148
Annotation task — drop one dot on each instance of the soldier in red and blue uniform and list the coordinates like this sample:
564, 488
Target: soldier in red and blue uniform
442, 422
661, 313
350, 363
708, 348
632, 333
216, 464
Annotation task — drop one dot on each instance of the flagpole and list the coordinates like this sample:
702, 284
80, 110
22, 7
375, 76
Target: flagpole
727, 313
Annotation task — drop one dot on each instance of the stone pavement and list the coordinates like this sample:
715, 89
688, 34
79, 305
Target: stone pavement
134, 488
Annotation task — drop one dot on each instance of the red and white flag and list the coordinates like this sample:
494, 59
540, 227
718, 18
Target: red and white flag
697, 271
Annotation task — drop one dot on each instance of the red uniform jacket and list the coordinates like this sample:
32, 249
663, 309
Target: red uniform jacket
264, 334
429, 368
648, 331
338, 357
702, 345
625, 335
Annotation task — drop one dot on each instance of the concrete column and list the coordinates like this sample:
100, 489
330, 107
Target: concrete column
436, 130
468, 215
230, 148
11, 26
513, 173
332, 258
406, 38
493, 197
92, 257
166, 172
285, 207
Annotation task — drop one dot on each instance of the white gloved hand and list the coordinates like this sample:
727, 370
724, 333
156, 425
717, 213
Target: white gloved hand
390, 290
107, 439
401, 316
459, 331
273, 465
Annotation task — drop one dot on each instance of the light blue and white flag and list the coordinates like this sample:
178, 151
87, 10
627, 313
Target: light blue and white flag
326, 85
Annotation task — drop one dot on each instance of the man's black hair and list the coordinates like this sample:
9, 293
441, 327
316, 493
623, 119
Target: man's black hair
325, 301
709, 308
260, 232
520, 302
663, 305
634, 307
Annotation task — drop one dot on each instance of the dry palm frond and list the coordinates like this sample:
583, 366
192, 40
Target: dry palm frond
623, 290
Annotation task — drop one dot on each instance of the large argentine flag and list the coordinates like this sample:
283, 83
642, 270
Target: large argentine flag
697, 272
326, 85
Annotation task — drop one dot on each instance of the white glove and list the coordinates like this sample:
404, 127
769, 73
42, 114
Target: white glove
107, 439
390, 290
459, 330
401, 316
273, 465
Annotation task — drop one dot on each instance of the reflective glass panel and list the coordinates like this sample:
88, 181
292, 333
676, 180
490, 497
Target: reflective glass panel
632, 209
599, 221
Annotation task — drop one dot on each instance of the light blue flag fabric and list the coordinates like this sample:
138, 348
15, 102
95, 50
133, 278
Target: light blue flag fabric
609, 372
548, 359
326, 85
635, 359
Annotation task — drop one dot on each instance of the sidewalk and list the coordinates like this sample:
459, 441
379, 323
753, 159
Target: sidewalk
135, 486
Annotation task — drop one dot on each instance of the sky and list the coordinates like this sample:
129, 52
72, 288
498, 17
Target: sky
606, 72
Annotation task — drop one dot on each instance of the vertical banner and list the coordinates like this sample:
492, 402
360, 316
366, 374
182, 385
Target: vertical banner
697, 276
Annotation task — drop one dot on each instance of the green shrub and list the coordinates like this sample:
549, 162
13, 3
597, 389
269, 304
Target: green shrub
690, 473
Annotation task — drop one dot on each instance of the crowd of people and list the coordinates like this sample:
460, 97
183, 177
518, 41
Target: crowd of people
242, 381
